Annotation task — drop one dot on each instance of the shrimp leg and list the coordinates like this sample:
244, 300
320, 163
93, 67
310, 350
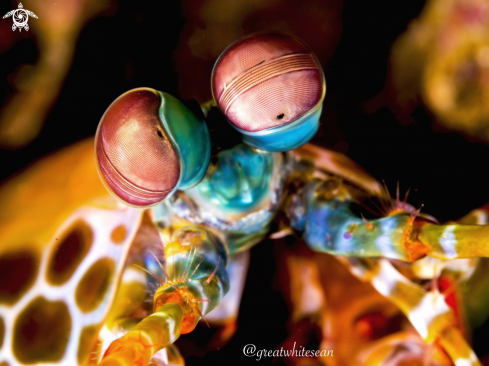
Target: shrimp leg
195, 280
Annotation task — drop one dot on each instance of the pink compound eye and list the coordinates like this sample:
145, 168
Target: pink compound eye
136, 159
267, 80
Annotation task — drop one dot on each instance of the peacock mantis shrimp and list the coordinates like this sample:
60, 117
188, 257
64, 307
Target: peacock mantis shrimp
209, 182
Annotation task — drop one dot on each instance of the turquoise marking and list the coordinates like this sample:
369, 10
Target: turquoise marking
189, 136
240, 179
287, 137
330, 226
241, 241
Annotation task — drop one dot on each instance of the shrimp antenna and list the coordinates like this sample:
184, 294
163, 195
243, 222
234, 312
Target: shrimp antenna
161, 266
209, 279
195, 270
152, 274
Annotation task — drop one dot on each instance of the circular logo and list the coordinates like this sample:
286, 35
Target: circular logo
20, 18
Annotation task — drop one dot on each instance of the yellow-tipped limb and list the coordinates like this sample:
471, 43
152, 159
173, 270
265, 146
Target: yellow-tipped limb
153, 333
195, 280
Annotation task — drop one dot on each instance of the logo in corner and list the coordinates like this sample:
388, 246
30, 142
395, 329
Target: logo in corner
20, 17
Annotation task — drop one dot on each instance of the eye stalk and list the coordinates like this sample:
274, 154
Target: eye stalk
271, 87
148, 144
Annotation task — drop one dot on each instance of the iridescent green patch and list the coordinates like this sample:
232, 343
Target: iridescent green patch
41, 332
18, 271
93, 286
69, 253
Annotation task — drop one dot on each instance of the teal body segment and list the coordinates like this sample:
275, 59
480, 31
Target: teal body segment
240, 179
286, 137
329, 225
201, 267
189, 136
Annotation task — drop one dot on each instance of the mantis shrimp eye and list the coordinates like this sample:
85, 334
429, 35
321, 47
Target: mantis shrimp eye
271, 87
148, 144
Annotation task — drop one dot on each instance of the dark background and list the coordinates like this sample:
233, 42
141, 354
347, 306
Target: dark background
136, 46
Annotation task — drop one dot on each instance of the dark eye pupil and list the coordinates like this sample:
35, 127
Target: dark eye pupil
160, 134
280, 116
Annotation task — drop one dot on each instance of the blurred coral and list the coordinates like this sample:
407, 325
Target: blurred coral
37, 86
442, 60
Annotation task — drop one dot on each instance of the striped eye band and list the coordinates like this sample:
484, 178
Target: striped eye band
265, 71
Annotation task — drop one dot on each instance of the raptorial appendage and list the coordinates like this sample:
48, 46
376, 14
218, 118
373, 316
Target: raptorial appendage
152, 334
192, 281
329, 214
323, 212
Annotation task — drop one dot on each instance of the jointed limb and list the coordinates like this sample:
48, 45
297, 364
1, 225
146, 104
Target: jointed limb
193, 283
322, 211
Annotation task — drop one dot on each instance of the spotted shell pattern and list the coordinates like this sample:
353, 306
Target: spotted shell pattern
64, 245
